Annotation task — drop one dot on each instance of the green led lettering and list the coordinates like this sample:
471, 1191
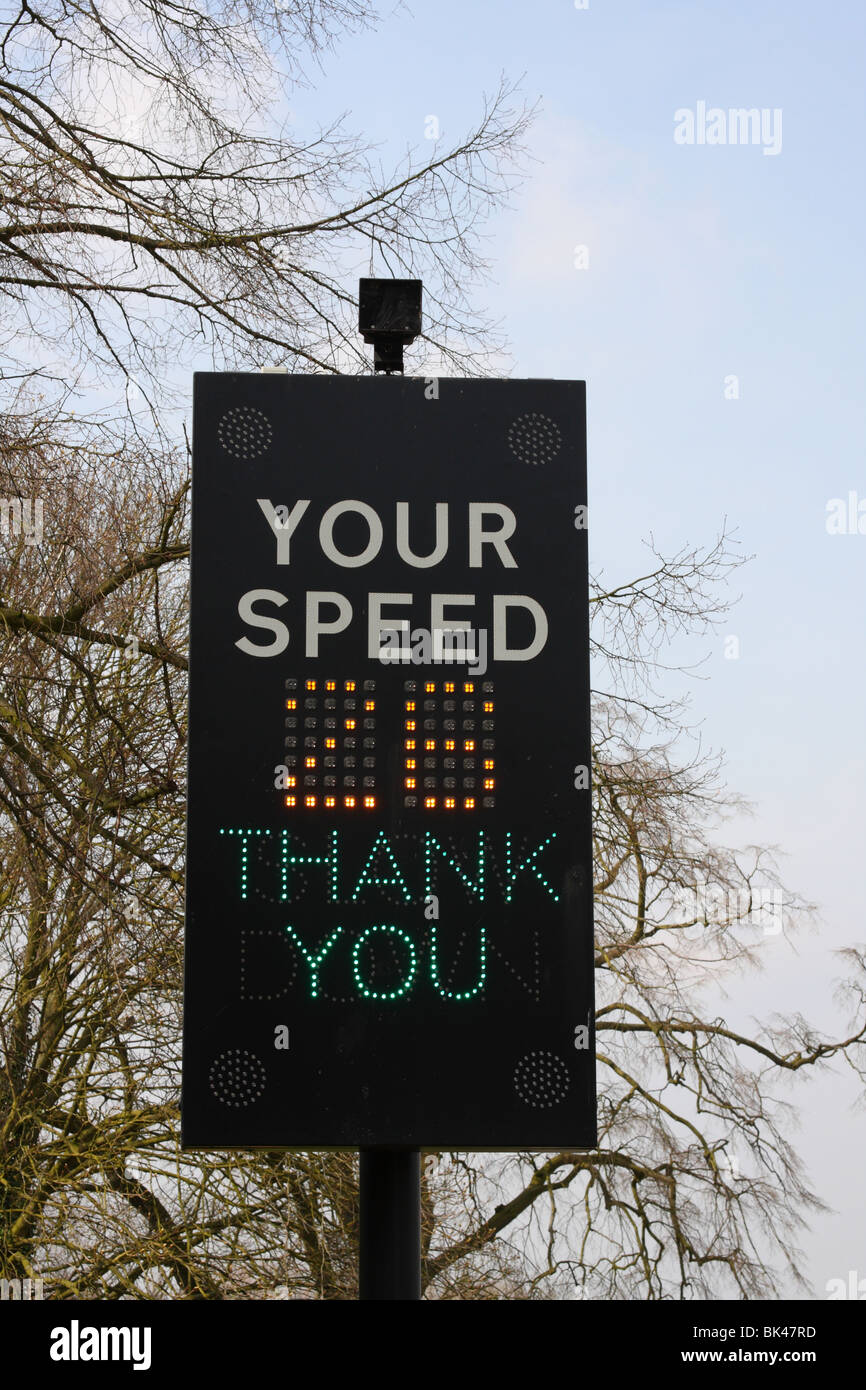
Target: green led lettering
288, 860
363, 988
394, 880
527, 863
476, 886
244, 837
314, 961
482, 967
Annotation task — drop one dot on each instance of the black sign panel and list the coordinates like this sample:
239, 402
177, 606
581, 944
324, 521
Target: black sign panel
389, 886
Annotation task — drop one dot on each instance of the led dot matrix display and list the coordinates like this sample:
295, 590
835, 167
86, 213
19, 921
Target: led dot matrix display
340, 730
330, 744
449, 744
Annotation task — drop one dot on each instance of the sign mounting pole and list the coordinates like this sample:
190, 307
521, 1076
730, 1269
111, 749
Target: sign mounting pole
390, 1244
389, 1251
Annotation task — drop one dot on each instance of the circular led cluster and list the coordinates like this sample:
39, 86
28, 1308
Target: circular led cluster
541, 1079
245, 432
237, 1077
534, 438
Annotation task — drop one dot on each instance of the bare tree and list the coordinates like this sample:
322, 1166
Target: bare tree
144, 220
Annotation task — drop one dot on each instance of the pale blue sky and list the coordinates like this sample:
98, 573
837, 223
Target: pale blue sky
703, 261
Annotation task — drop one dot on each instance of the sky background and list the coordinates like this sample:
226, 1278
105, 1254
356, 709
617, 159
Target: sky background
704, 261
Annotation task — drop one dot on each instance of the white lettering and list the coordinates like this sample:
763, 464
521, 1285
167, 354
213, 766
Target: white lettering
253, 619
405, 551
377, 627
283, 527
479, 537
326, 534
315, 626
501, 649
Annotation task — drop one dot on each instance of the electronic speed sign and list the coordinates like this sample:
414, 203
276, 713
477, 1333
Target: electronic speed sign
389, 881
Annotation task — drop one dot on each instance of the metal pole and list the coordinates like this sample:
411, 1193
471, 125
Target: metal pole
389, 316
390, 1214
